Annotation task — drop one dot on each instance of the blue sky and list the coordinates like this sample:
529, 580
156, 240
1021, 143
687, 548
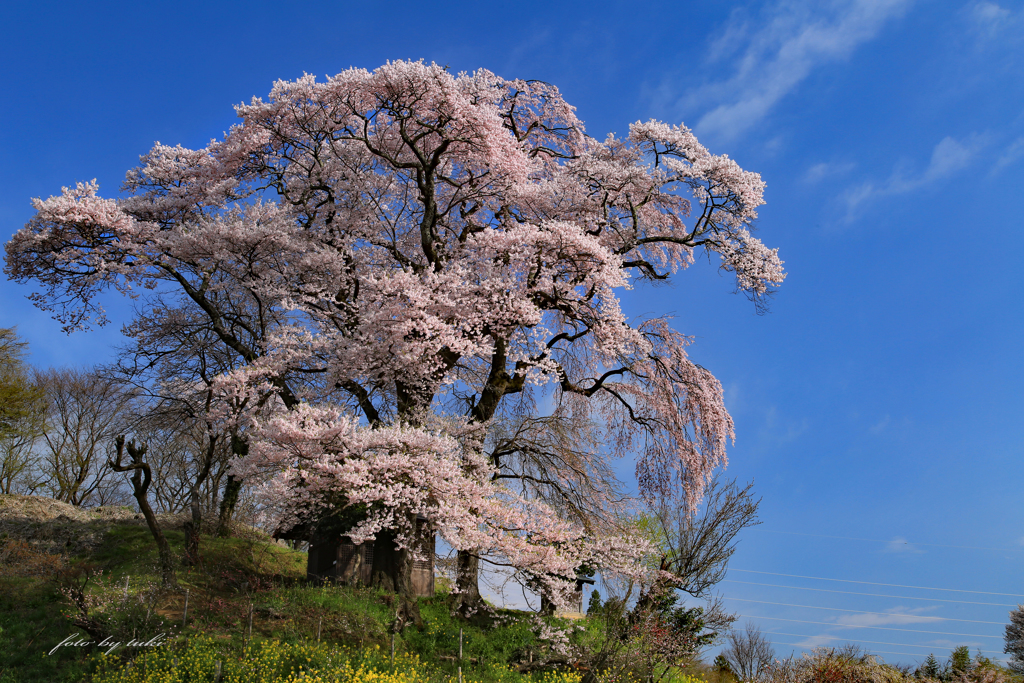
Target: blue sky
879, 406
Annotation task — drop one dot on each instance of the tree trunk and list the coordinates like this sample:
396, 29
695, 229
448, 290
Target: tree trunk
467, 581
142, 476
227, 506
166, 558
194, 526
547, 608
392, 571
239, 448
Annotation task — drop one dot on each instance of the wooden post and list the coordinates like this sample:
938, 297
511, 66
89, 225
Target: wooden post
184, 616
318, 627
216, 676
460, 654
392, 650
250, 621
126, 585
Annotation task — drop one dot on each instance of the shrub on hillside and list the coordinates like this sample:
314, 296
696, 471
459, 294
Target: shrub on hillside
20, 558
108, 608
832, 665
850, 665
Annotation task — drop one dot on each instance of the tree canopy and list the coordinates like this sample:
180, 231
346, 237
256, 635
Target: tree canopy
413, 274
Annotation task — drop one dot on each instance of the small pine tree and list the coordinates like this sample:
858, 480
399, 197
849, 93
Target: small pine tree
929, 669
722, 665
959, 661
594, 606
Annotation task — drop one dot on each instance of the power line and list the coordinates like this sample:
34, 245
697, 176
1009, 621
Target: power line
872, 583
873, 595
880, 628
860, 611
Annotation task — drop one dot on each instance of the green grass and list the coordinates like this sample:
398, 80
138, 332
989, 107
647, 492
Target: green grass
30, 625
234, 576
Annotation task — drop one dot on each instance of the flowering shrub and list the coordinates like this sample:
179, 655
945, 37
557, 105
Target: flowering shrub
831, 665
104, 606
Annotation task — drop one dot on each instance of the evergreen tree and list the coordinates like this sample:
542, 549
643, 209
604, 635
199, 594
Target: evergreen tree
1015, 640
929, 669
959, 661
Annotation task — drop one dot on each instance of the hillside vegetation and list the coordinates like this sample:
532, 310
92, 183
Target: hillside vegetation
65, 571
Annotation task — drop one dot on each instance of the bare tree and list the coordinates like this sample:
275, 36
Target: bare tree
172, 364
85, 410
748, 653
188, 460
142, 477
696, 549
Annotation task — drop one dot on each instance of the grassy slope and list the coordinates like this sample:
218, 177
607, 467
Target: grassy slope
234, 574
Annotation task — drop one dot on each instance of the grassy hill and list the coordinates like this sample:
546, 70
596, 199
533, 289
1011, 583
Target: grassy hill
250, 614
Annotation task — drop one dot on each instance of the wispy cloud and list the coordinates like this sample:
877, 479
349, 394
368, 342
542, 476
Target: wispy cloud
812, 642
1013, 153
819, 172
992, 20
896, 615
948, 157
770, 61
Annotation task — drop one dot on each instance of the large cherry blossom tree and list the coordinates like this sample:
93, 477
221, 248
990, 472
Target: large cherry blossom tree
415, 276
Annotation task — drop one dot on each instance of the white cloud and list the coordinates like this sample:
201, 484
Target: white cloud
1013, 152
795, 38
823, 170
990, 18
896, 615
948, 158
989, 13
812, 642
995, 27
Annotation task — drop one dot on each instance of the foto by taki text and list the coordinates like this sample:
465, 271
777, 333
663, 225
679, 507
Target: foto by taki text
78, 640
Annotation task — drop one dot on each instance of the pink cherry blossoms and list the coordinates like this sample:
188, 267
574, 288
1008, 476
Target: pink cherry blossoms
404, 264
